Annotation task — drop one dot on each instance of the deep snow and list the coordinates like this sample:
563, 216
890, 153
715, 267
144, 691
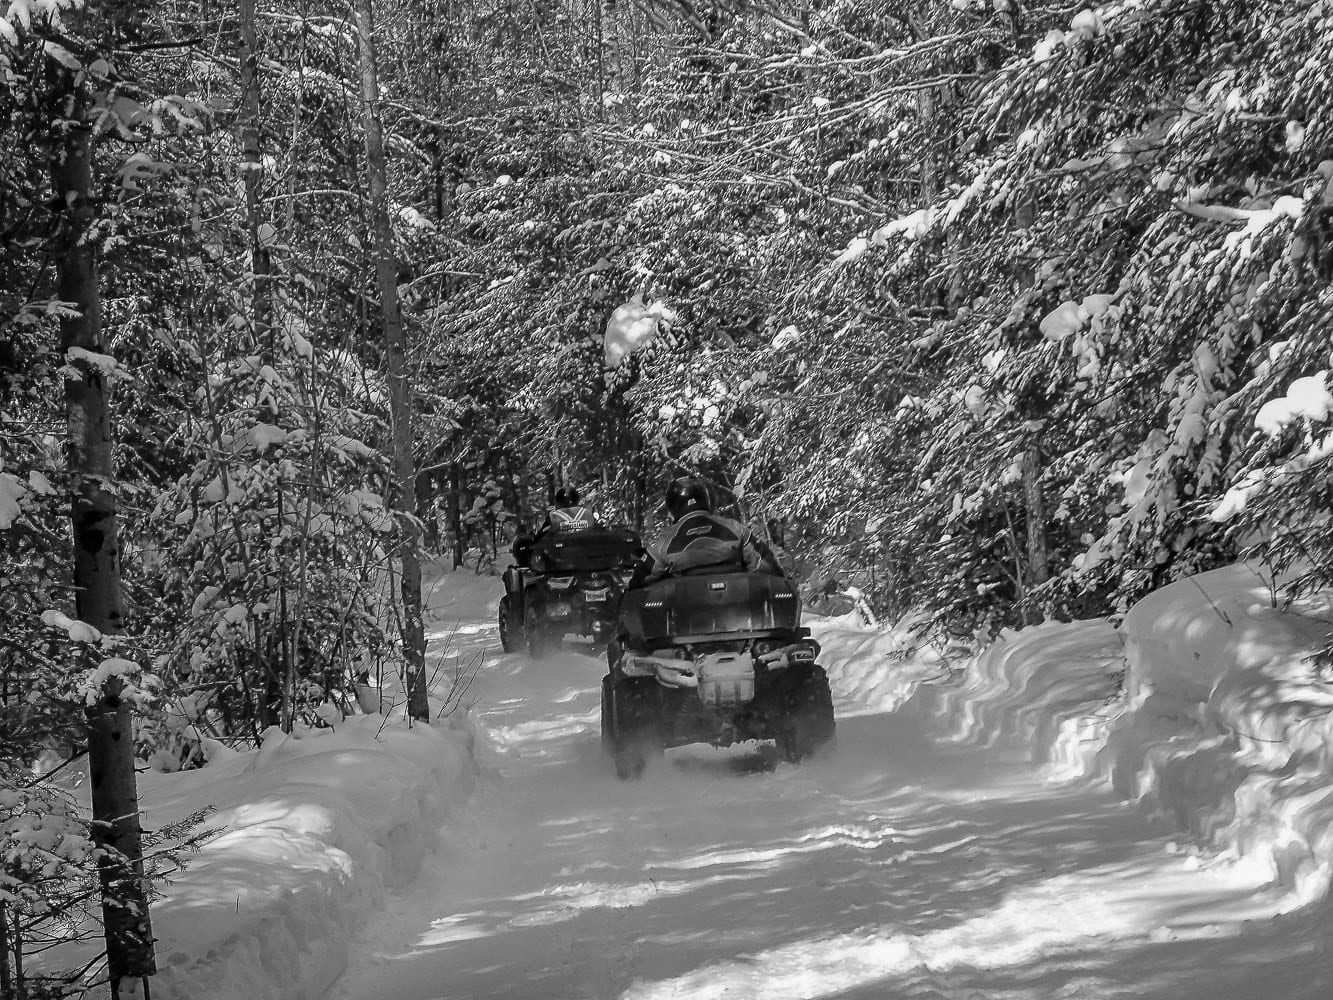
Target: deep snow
961, 841
315, 831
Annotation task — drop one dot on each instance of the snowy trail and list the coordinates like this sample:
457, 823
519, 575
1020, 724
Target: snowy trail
898, 868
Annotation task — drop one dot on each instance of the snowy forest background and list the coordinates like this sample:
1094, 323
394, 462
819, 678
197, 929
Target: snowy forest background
1005, 312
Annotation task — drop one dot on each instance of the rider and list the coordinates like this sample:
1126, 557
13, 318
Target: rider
699, 537
568, 514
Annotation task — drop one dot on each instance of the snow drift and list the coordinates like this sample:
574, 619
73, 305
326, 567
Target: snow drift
1047, 690
313, 832
872, 670
1205, 705
1229, 724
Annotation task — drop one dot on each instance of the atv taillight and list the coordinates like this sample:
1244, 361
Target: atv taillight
805, 651
776, 655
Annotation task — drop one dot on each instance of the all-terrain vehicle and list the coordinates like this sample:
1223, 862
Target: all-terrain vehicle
713, 656
565, 582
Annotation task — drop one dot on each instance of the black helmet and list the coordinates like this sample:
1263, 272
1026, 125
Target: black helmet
566, 496
687, 494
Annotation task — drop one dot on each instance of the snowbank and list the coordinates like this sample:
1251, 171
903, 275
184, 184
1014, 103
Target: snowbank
314, 832
1229, 726
1047, 689
1222, 724
872, 670
1050, 689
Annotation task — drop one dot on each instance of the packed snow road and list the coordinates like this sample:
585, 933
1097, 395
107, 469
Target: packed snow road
899, 867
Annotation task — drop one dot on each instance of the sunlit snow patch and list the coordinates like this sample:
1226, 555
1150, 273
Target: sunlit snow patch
632, 327
1065, 914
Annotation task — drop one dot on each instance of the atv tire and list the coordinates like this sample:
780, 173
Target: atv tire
608, 740
806, 726
632, 723
511, 633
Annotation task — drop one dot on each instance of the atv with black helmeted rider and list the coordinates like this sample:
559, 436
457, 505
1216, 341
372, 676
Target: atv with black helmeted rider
565, 582
716, 656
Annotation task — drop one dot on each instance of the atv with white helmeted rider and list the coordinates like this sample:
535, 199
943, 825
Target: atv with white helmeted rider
708, 646
567, 578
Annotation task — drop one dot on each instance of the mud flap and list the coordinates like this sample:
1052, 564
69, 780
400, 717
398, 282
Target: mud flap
632, 714
805, 724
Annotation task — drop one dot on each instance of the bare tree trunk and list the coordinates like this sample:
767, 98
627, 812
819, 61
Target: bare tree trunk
6, 980
928, 106
930, 187
426, 494
1020, 574
640, 500
524, 510
395, 357
20, 977
98, 599
288, 684
601, 65
252, 171
456, 512
1038, 561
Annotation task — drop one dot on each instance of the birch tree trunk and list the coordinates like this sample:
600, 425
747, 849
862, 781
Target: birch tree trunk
98, 599
395, 357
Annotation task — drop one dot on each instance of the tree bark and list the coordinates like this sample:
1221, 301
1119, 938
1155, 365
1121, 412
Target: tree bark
6, 980
1034, 501
395, 359
252, 171
426, 494
98, 598
456, 512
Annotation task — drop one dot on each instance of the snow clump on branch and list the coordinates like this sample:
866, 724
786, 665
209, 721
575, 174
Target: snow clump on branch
1069, 318
1307, 397
632, 328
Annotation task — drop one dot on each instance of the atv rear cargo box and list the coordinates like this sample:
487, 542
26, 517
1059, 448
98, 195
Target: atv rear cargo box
684, 608
584, 551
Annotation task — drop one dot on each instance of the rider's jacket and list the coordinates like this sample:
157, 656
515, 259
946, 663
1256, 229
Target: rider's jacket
570, 518
701, 538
